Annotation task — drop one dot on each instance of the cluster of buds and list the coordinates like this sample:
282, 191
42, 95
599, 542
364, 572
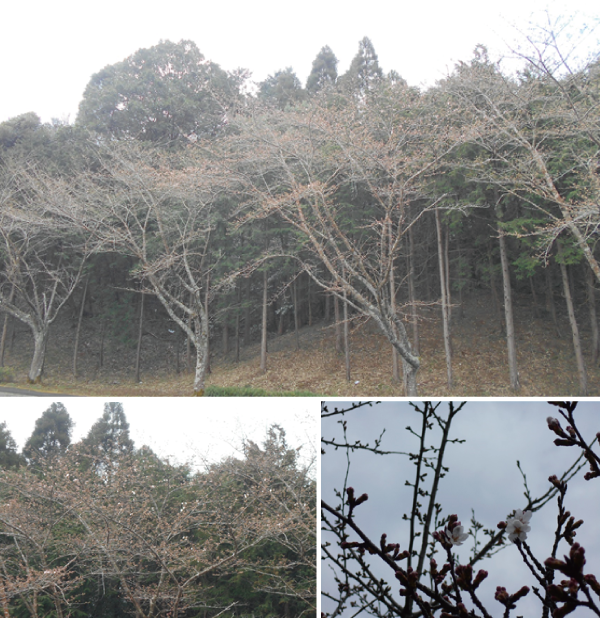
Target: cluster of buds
438, 576
464, 577
408, 578
572, 565
354, 502
509, 600
361, 547
461, 610
565, 439
566, 591
570, 438
394, 548
560, 485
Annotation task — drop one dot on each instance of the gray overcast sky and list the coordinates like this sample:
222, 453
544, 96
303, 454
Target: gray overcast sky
181, 429
50, 50
483, 475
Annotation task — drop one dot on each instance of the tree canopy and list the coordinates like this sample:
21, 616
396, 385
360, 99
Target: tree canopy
163, 94
52, 434
136, 535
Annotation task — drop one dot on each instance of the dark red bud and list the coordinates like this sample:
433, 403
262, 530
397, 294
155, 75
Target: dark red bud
592, 582
524, 591
561, 442
554, 563
501, 594
481, 575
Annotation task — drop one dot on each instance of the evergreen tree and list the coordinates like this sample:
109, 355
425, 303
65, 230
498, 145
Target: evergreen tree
324, 71
364, 73
283, 88
52, 433
9, 458
110, 434
166, 94
270, 480
15, 131
274, 450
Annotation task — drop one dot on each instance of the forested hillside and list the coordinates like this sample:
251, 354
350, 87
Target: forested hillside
226, 215
104, 528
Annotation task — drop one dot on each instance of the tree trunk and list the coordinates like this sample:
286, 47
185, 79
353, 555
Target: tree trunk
237, 323
339, 344
40, 339
447, 277
3, 340
536, 313
550, 305
591, 298
280, 321
495, 298
201, 343
225, 338
263, 339
296, 318
395, 358
508, 314
583, 385
410, 379
411, 292
78, 331
208, 351
188, 343
139, 342
443, 267
246, 339
309, 299
346, 340
5, 327
102, 336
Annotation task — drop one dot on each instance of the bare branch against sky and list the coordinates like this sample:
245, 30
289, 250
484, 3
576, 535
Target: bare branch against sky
504, 442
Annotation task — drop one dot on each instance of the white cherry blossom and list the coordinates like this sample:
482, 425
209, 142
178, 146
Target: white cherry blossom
518, 526
456, 536
523, 516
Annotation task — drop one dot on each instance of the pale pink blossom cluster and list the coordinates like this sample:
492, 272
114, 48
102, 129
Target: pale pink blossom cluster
518, 526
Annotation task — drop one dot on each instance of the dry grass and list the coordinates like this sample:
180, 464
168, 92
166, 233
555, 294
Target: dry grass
546, 363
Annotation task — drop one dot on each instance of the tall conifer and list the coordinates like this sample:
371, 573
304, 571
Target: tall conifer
324, 71
52, 433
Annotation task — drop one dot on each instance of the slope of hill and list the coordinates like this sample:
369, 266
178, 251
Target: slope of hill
546, 361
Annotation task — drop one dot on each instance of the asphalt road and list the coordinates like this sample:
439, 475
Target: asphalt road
21, 392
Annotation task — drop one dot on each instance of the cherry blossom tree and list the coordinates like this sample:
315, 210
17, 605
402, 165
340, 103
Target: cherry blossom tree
42, 254
156, 539
163, 213
350, 180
